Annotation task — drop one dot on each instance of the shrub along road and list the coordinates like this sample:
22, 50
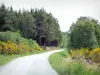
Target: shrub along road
37, 64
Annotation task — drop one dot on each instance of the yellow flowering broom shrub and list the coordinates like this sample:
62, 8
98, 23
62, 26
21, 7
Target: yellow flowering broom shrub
12, 48
93, 55
79, 53
14, 43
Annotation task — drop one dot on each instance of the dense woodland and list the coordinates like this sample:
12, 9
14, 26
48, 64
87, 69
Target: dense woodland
34, 23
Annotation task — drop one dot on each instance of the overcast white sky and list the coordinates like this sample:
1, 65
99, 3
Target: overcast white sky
66, 11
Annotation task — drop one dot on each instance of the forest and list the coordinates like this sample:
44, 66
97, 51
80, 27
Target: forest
33, 23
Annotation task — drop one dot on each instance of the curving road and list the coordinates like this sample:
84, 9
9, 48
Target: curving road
37, 64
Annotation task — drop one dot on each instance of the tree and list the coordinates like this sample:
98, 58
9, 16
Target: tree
10, 21
27, 25
82, 34
97, 30
3, 14
48, 24
64, 40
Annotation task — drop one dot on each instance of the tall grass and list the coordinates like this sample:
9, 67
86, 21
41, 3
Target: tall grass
77, 68
63, 67
58, 63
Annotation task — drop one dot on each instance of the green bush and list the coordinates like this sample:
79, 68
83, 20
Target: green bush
11, 48
31, 43
12, 36
17, 45
89, 55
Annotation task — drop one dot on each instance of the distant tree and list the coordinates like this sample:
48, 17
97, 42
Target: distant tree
64, 40
10, 21
97, 30
82, 34
28, 22
48, 24
3, 14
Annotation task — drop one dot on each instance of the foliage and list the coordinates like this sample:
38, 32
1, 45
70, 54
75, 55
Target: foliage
11, 48
57, 61
32, 24
64, 40
68, 67
31, 44
12, 36
27, 24
77, 68
16, 38
90, 55
84, 34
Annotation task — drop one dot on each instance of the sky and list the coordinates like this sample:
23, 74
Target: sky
66, 11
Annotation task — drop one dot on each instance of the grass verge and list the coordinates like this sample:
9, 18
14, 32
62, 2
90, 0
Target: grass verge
64, 67
57, 61
4, 59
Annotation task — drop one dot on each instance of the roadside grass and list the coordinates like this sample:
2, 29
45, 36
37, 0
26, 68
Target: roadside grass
4, 59
63, 67
57, 61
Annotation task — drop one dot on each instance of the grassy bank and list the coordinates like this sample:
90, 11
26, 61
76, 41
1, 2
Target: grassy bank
58, 63
4, 59
63, 67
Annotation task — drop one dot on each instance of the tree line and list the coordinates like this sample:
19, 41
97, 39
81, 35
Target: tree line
32, 23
